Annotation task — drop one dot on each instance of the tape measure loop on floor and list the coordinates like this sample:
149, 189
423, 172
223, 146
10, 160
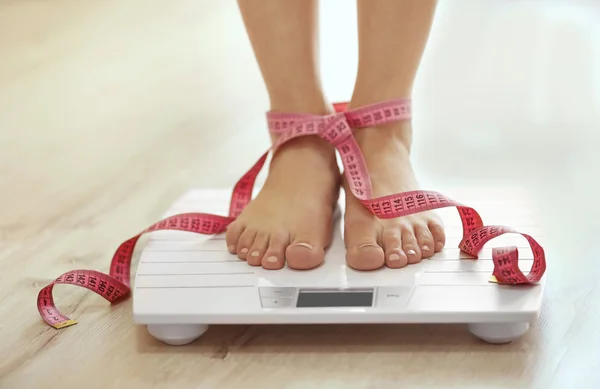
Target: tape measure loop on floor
336, 128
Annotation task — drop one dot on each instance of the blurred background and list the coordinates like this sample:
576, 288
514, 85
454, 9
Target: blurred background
508, 93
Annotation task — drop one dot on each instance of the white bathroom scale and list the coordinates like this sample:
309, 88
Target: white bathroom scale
186, 282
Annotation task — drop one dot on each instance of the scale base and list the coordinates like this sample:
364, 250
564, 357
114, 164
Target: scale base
177, 334
182, 334
186, 282
499, 333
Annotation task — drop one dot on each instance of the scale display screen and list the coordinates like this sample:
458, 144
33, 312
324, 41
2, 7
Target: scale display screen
316, 298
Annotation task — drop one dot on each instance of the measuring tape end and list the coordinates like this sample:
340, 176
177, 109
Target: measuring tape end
64, 324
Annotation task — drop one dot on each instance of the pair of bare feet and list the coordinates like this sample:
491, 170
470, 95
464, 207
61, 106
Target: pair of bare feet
290, 220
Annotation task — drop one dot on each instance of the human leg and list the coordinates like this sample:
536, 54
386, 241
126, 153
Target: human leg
392, 38
290, 219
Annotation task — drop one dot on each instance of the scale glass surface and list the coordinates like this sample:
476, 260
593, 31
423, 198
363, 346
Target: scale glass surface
186, 282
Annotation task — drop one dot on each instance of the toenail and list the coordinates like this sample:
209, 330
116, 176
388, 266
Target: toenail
272, 259
394, 257
255, 253
244, 250
367, 245
232, 248
307, 245
425, 247
412, 252
439, 245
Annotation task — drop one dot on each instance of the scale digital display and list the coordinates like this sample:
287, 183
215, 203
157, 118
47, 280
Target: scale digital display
317, 298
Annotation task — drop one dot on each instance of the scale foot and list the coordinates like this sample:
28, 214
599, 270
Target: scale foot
498, 333
177, 334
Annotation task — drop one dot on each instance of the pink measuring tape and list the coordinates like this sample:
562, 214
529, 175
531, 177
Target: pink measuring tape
335, 128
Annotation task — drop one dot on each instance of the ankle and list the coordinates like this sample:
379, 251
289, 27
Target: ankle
304, 103
307, 152
391, 136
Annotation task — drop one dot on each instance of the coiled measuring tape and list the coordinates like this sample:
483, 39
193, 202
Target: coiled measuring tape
335, 128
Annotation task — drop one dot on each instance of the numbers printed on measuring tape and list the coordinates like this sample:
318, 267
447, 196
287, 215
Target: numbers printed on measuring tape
335, 128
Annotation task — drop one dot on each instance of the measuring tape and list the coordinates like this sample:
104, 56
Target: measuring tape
335, 128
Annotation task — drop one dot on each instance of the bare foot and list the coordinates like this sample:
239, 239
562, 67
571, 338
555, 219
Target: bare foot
372, 242
290, 220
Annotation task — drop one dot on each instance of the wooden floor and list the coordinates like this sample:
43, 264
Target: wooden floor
110, 109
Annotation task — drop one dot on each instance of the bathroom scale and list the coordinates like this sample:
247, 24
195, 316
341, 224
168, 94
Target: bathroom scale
186, 282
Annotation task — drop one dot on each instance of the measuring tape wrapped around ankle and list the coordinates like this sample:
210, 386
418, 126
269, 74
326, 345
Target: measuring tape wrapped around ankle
335, 128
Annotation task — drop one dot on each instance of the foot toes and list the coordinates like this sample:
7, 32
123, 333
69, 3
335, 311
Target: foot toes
245, 242
274, 257
410, 245
425, 240
258, 249
439, 235
232, 236
302, 255
392, 246
366, 256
